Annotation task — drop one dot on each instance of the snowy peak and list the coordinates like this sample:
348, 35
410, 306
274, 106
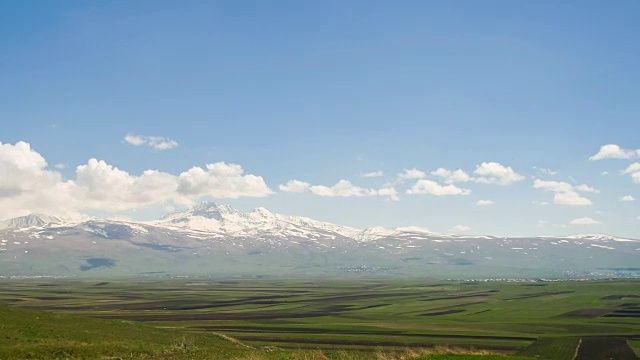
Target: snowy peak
596, 237
31, 220
211, 210
224, 220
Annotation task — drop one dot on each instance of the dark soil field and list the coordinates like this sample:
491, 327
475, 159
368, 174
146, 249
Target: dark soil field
596, 348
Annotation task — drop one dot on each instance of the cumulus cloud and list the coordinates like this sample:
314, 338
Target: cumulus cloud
627, 198
584, 221
373, 174
564, 193
634, 171
221, 180
452, 176
135, 140
429, 187
587, 188
295, 186
461, 228
391, 192
343, 188
635, 167
496, 173
411, 174
156, 142
613, 151
485, 202
27, 186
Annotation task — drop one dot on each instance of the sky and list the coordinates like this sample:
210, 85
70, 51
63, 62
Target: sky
479, 117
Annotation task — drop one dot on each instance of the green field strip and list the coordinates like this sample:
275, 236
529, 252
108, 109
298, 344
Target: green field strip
635, 345
557, 348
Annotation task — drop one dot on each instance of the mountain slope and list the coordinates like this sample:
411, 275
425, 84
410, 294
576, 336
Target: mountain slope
29, 221
217, 240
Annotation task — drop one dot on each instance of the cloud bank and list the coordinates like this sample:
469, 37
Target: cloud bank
29, 186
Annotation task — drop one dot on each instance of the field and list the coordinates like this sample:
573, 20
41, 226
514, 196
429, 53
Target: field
278, 319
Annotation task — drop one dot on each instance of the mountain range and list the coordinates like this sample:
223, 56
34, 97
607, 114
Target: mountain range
217, 240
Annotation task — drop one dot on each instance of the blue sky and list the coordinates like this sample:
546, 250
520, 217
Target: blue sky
326, 91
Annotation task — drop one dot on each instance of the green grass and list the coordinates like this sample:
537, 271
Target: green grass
40, 335
560, 348
635, 345
335, 318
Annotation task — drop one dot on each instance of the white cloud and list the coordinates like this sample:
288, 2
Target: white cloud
613, 151
485, 202
295, 186
461, 228
495, 173
221, 180
635, 167
570, 198
27, 186
546, 171
587, 188
135, 140
564, 193
343, 188
604, 173
634, 171
429, 187
584, 221
627, 198
452, 176
156, 142
373, 174
391, 192
555, 186
60, 166
408, 174
161, 143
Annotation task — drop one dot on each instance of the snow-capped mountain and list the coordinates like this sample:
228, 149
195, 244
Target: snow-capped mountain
222, 220
32, 220
220, 241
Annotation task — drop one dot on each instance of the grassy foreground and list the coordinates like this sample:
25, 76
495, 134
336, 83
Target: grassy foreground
28, 334
268, 319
